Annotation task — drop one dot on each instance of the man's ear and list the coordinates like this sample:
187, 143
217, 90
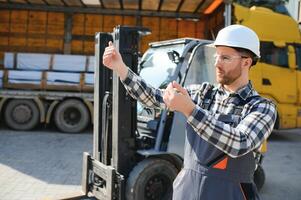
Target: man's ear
247, 62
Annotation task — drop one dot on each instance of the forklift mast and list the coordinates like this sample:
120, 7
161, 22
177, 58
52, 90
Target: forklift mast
114, 131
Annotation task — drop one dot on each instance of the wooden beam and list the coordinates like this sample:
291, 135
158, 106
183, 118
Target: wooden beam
46, 2
180, 5
63, 1
160, 5
68, 33
199, 6
102, 4
98, 10
121, 4
82, 3
140, 5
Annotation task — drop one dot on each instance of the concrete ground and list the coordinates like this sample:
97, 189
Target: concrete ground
282, 165
35, 165
39, 164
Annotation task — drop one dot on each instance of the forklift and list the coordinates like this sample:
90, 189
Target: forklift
138, 151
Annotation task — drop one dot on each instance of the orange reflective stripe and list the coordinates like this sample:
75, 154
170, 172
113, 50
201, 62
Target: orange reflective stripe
221, 164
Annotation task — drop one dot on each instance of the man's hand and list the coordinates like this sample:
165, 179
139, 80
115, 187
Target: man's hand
177, 98
113, 60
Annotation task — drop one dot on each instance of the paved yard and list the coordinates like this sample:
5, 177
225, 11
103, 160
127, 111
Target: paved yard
34, 165
39, 164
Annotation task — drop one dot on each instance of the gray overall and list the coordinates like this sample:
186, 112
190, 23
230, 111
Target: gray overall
210, 174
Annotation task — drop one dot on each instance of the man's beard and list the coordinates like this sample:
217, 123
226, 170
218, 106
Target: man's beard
230, 77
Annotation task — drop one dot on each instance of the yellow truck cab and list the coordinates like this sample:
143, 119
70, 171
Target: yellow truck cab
277, 75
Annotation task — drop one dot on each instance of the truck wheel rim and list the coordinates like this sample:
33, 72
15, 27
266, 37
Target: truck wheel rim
72, 116
22, 114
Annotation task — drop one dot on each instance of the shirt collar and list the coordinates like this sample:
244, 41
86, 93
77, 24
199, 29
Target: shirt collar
244, 92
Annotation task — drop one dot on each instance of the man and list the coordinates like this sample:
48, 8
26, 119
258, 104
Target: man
225, 124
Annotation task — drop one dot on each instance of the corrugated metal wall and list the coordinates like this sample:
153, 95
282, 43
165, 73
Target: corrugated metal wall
54, 32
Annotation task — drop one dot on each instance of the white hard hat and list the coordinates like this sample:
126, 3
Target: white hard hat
238, 36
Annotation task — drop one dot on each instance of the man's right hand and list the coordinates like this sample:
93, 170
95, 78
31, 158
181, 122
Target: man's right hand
113, 60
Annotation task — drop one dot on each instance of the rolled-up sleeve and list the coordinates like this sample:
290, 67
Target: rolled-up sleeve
145, 93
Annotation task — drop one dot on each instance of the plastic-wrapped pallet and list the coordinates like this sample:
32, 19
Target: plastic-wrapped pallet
89, 79
49, 62
30, 77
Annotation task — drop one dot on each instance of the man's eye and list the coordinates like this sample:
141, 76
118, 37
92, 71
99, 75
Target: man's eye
226, 58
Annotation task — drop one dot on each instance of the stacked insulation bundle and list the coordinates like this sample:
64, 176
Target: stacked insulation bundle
47, 72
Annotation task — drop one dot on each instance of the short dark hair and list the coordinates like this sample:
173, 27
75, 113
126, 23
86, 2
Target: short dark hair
247, 53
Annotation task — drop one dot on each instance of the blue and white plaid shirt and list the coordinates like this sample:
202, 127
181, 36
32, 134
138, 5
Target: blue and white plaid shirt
255, 119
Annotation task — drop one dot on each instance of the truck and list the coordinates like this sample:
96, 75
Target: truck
47, 88
138, 151
277, 75
24, 106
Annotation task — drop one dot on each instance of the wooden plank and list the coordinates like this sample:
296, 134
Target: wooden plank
186, 28
4, 20
110, 21
55, 44
37, 22
93, 24
170, 5
36, 2
19, 21
55, 2
16, 48
205, 5
4, 40
200, 29
77, 47
153, 23
131, 4
73, 2
33, 42
1, 60
78, 24
150, 4
18, 1
129, 20
111, 4
190, 5
55, 23
32, 35
89, 47
12, 41
168, 29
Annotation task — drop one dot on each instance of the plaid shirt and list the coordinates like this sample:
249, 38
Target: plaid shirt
255, 118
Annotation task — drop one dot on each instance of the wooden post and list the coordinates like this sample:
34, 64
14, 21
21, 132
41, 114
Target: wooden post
68, 33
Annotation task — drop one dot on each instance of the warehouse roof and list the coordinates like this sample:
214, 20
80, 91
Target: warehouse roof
165, 8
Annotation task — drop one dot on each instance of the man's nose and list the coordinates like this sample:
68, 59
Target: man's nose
218, 63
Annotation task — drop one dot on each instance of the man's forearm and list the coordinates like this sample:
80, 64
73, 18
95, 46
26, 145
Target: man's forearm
122, 71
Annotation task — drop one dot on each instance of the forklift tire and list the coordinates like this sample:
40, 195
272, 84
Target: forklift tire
259, 177
71, 116
21, 114
151, 179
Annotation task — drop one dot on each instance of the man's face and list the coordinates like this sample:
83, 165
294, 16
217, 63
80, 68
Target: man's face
228, 63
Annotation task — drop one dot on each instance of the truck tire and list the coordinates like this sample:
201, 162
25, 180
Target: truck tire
21, 114
71, 116
151, 179
259, 177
